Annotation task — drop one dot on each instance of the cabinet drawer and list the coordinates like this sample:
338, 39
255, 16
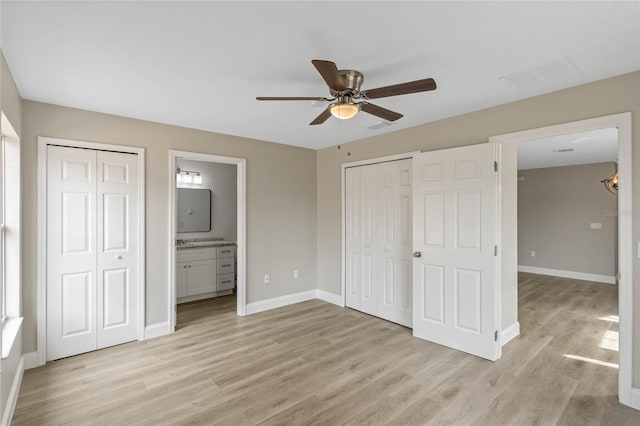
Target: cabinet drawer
226, 251
226, 266
189, 254
226, 282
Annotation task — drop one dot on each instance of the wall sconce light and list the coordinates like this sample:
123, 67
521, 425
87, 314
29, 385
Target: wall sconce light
188, 176
611, 183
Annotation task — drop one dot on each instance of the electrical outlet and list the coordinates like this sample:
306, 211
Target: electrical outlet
266, 279
296, 274
533, 253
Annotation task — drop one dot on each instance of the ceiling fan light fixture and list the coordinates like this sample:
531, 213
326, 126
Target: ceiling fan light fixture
611, 183
344, 111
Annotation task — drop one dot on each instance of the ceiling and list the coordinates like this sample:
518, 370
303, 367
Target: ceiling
201, 64
596, 146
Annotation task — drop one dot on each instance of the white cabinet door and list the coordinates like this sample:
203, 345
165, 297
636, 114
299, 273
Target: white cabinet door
92, 249
71, 251
181, 279
395, 241
454, 281
117, 220
201, 277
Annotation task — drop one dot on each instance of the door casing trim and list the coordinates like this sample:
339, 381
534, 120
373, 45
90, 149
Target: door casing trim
241, 248
623, 123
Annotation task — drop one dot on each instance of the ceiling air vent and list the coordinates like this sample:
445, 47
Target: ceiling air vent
378, 125
564, 150
559, 71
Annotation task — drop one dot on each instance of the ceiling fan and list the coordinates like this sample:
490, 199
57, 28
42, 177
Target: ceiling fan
344, 86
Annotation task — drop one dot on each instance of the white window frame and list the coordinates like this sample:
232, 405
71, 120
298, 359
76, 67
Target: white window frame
10, 237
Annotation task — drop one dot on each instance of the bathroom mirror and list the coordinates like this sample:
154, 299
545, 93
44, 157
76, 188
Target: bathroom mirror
194, 210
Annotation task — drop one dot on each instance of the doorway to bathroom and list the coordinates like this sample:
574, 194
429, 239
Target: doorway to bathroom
207, 246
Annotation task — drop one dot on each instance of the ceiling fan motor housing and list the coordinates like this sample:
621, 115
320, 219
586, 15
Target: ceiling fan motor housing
352, 81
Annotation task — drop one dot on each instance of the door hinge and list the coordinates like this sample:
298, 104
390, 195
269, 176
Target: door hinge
495, 166
495, 250
495, 336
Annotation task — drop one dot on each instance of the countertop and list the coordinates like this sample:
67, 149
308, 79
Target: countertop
182, 244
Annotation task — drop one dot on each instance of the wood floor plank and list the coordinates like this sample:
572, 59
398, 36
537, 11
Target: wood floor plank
315, 363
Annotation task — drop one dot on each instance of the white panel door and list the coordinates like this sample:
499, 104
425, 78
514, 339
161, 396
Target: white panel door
368, 274
352, 236
117, 225
455, 295
71, 251
395, 242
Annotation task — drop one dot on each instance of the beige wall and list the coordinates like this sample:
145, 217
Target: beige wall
10, 101
281, 201
555, 208
611, 96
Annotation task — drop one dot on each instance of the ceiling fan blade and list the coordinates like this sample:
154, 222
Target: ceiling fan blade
290, 98
401, 89
378, 111
329, 71
321, 118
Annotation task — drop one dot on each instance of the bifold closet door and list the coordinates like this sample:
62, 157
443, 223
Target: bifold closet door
395, 241
71, 251
117, 299
378, 240
92, 275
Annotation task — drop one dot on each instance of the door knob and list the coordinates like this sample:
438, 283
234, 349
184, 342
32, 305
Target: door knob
118, 257
417, 254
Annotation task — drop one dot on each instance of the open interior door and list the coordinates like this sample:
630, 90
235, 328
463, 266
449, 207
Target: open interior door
455, 280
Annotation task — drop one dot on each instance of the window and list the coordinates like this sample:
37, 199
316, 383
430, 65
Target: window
3, 290
9, 223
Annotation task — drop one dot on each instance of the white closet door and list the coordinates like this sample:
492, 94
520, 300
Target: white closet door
395, 241
379, 240
455, 296
369, 239
352, 235
92, 249
117, 266
71, 251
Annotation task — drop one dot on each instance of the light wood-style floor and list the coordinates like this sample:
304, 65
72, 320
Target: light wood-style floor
315, 363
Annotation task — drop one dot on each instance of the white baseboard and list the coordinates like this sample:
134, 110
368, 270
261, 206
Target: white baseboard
30, 360
156, 330
13, 394
336, 299
607, 279
509, 333
635, 398
278, 302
